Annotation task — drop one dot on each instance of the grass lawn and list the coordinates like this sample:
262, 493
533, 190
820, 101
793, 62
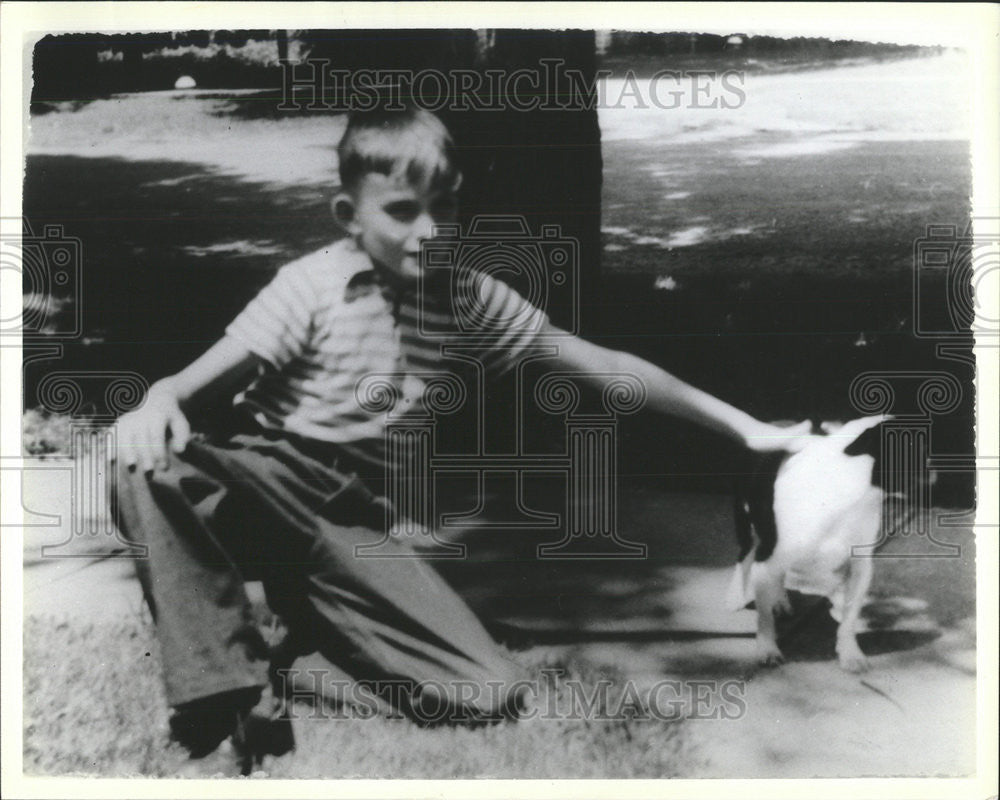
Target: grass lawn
94, 705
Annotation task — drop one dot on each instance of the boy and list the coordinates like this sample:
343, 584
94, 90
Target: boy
288, 498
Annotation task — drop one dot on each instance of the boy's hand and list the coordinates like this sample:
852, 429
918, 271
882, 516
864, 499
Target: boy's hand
146, 436
764, 438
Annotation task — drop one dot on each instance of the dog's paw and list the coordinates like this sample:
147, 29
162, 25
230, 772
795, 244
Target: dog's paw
782, 606
768, 654
850, 656
854, 662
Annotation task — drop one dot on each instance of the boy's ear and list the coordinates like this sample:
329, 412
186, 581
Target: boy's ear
343, 212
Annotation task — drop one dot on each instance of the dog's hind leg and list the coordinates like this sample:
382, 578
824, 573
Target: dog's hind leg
859, 578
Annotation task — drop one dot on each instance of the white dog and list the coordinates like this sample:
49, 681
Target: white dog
809, 522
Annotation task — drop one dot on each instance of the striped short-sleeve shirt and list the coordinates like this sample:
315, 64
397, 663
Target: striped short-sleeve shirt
342, 351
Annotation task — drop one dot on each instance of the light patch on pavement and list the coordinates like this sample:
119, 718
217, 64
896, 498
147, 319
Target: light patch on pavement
242, 248
198, 131
919, 98
688, 237
656, 241
809, 147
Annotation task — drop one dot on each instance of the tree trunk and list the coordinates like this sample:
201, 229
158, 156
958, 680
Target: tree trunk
543, 164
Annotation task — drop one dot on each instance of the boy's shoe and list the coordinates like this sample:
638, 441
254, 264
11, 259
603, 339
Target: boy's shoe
229, 735
226, 761
265, 733
201, 726
214, 732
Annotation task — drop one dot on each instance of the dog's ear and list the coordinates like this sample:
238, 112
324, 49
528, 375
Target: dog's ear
869, 443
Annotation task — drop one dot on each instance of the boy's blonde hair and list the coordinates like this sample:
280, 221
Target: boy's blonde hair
410, 143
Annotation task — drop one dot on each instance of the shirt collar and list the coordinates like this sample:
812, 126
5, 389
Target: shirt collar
365, 279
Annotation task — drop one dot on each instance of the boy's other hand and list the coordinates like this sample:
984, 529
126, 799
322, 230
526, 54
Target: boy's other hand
766, 438
146, 436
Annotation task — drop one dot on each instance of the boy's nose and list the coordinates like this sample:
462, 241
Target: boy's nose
423, 228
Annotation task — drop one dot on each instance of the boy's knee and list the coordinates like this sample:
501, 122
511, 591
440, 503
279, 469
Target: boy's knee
133, 488
129, 480
120, 485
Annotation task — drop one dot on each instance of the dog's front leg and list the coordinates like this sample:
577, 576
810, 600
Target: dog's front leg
859, 578
769, 597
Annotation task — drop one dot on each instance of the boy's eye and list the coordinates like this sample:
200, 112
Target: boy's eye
403, 210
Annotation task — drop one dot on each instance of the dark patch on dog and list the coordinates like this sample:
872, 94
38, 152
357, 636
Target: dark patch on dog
869, 443
754, 508
754, 501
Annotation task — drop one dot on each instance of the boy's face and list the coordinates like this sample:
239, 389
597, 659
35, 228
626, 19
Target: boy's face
390, 218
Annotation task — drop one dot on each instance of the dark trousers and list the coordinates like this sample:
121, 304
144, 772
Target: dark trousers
270, 508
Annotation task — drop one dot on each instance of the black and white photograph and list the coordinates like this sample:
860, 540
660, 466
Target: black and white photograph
535, 391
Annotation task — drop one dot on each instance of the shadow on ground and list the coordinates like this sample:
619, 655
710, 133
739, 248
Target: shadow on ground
171, 252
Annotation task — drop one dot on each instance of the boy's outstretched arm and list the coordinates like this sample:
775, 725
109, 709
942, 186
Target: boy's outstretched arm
147, 434
669, 395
